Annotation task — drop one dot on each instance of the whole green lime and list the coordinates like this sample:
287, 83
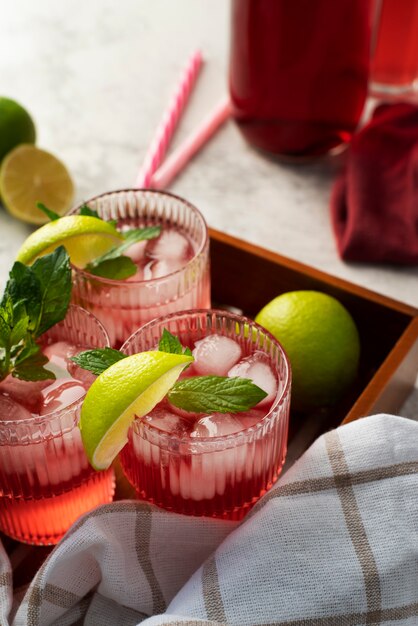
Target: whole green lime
321, 340
16, 126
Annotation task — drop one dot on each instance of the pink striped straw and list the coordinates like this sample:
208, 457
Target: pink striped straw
178, 159
158, 146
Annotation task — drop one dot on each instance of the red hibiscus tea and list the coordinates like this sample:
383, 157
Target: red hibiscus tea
172, 269
215, 464
46, 482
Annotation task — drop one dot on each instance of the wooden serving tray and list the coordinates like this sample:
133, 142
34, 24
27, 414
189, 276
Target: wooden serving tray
246, 277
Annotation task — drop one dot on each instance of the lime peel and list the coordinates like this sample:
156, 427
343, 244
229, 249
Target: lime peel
322, 342
83, 236
16, 126
127, 389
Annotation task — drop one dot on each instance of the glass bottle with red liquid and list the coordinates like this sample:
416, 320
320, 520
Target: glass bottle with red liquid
299, 72
395, 50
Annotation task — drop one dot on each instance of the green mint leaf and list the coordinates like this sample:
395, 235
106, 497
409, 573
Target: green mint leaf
51, 214
215, 394
30, 349
169, 343
130, 237
43, 290
36, 297
32, 368
28, 362
6, 307
4, 332
3, 369
6, 323
14, 324
86, 210
140, 234
113, 264
98, 360
19, 330
53, 272
24, 287
117, 269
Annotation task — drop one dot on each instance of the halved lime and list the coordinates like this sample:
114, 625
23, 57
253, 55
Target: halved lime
29, 175
130, 388
84, 237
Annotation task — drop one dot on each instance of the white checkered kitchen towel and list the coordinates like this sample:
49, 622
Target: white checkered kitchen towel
335, 543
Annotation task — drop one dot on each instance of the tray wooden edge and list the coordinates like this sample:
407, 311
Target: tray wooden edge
393, 381
314, 273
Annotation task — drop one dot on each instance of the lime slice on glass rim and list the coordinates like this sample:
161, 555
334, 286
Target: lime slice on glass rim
29, 175
84, 237
127, 389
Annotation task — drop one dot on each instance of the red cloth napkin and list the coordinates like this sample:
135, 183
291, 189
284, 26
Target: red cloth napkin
374, 205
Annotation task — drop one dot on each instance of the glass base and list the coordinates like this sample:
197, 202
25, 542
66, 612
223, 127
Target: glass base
404, 90
43, 522
208, 508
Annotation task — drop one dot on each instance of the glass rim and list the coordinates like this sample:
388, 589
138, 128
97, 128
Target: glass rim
48, 417
242, 434
152, 281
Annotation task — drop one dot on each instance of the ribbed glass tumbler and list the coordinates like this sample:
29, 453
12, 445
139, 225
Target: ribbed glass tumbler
46, 481
218, 476
123, 306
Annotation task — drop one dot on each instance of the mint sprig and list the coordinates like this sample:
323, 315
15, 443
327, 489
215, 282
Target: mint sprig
48, 212
215, 394
44, 288
86, 210
170, 343
113, 264
198, 394
35, 299
98, 360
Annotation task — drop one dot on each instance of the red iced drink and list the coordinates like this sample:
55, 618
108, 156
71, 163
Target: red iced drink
166, 254
173, 269
215, 464
46, 482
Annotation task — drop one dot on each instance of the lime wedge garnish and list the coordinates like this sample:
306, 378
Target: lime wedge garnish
85, 238
130, 388
29, 175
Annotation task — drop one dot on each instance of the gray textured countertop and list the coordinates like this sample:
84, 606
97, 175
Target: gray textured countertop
96, 76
